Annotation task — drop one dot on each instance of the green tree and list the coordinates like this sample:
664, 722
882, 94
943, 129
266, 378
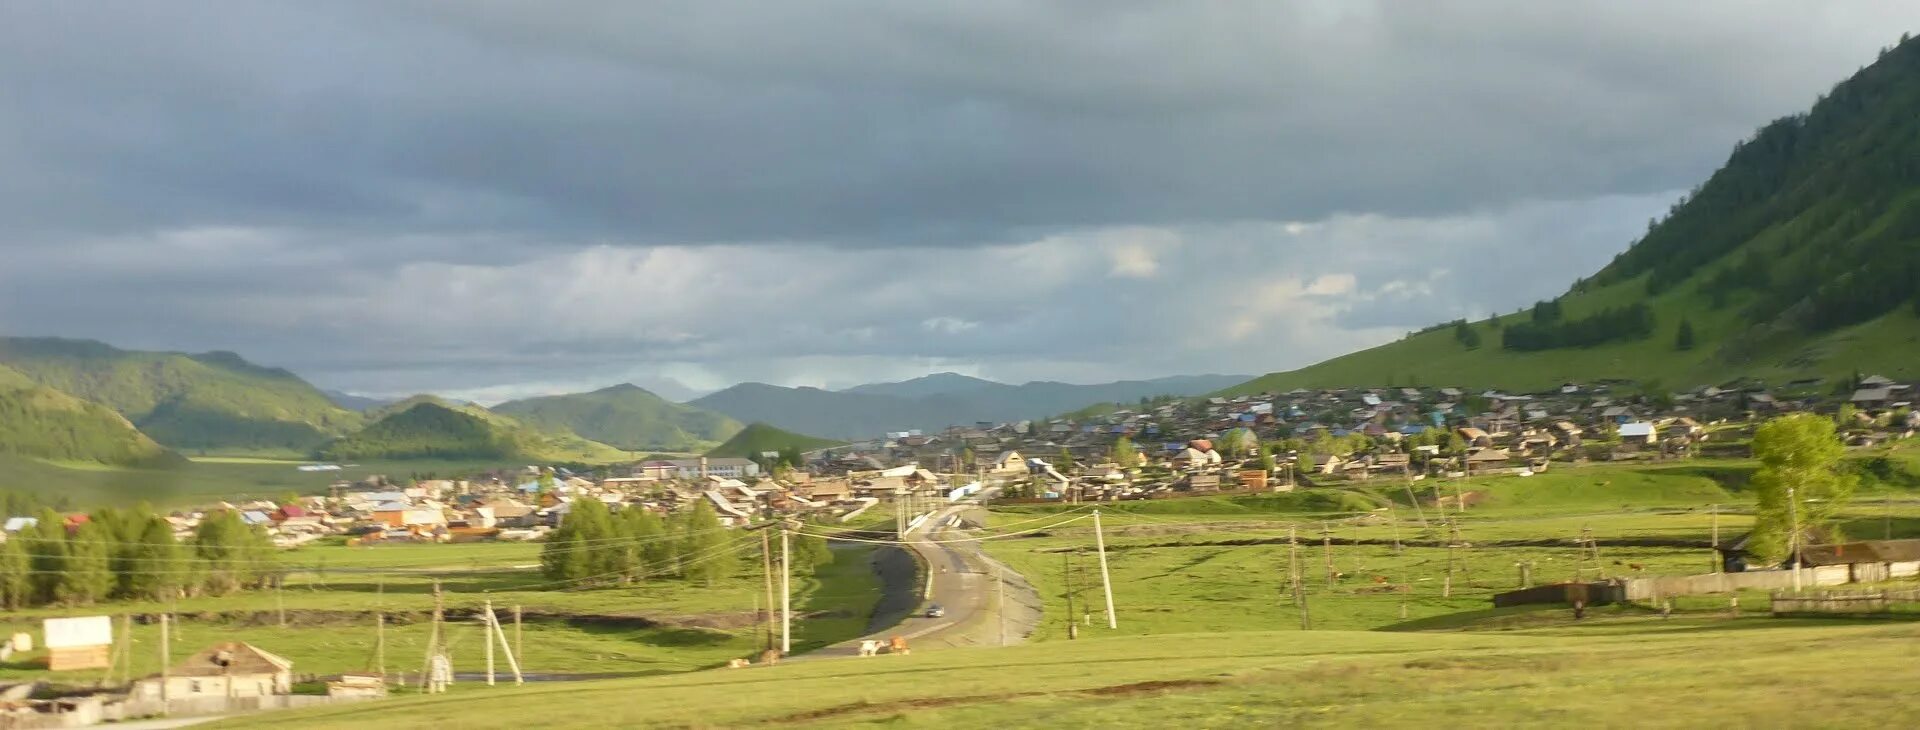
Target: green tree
1846, 417
703, 556
88, 577
1683, 338
16, 575
155, 562
1066, 460
647, 533
1124, 454
46, 545
1799, 452
220, 546
967, 458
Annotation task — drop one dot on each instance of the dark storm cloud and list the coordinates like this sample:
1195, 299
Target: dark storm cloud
409, 195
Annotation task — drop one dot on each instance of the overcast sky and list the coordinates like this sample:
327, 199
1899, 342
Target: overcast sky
492, 199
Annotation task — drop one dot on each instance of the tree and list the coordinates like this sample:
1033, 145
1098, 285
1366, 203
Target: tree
967, 458
1683, 339
1846, 416
652, 551
1800, 452
88, 577
154, 562
220, 545
16, 575
1266, 462
703, 555
1066, 460
46, 546
1123, 454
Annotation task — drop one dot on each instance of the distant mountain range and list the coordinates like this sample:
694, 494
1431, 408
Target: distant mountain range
208, 401
933, 402
80, 400
1798, 258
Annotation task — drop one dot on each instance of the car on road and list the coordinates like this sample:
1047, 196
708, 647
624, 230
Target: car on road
935, 611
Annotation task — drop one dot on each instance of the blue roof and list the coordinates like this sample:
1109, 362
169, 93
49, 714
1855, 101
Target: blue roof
1412, 429
255, 517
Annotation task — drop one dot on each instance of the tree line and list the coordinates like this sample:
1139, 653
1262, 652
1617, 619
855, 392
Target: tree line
1631, 322
599, 546
131, 554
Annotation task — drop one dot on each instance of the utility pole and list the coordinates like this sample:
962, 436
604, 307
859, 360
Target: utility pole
279, 600
766, 573
1326, 550
494, 632
1066, 572
380, 630
430, 681
518, 651
166, 660
786, 593
1293, 576
1793, 537
1453, 532
1106, 578
488, 619
1718, 564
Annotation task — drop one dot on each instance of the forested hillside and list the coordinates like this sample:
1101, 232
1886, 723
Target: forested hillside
1800, 257
758, 438
207, 402
625, 416
428, 428
43, 423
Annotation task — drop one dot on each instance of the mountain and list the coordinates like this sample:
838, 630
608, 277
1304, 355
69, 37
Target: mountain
1796, 259
758, 438
932, 402
214, 400
625, 416
353, 402
927, 385
425, 427
40, 422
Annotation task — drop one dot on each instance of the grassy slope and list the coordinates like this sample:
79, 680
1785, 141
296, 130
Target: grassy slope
205, 402
626, 417
38, 422
1812, 198
759, 437
1883, 346
1330, 678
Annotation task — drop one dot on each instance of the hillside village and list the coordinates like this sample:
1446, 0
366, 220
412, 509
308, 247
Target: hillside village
1268, 442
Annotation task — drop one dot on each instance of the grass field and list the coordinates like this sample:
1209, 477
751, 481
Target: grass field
1643, 673
664, 625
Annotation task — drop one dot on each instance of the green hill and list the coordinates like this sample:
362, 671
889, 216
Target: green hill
1798, 258
625, 416
759, 437
209, 401
424, 427
43, 423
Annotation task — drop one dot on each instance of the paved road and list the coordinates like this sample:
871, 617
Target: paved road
963, 583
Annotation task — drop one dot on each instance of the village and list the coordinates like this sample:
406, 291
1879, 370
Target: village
1301, 440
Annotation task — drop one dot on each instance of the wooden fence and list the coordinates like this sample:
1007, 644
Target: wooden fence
1847, 603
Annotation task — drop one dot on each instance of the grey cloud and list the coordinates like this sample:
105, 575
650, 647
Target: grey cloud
494, 197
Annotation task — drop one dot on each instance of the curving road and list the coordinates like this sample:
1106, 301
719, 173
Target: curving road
960, 578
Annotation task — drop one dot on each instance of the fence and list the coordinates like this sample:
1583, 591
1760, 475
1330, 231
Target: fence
1847, 602
86, 711
1656, 588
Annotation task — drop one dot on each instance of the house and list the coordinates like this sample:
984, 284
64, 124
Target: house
1474, 436
1488, 457
1008, 462
226, 669
1871, 398
1638, 432
731, 467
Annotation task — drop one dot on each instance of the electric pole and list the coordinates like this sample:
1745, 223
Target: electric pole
1793, 537
766, 573
1718, 564
1326, 550
1106, 578
1293, 576
786, 593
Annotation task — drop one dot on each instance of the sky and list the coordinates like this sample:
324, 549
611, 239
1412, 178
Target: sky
496, 199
